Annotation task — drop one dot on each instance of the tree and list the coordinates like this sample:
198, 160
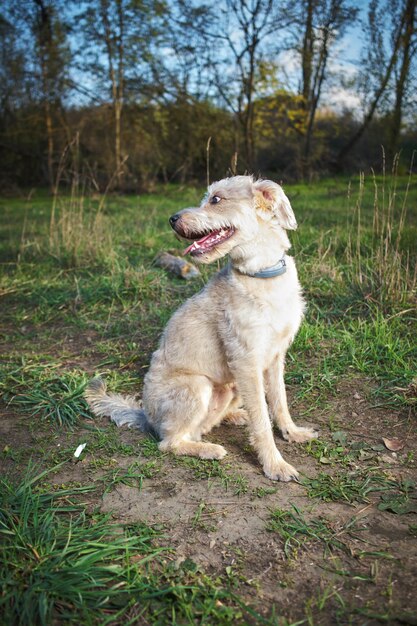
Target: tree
406, 52
322, 23
52, 56
245, 32
383, 56
115, 52
12, 67
181, 60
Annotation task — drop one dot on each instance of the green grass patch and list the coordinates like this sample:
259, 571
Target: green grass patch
296, 531
351, 487
43, 388
401, 501
132, 477
215, 471
342, 451
44, 392
60, 563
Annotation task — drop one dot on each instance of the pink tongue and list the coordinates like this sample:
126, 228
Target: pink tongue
193, 246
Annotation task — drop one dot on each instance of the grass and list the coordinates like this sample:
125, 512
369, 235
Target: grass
384, 269
215, 471
133, 476
402, 500
43, 388
80, 293
341, 451
61, 563
350, 487
296, 531
57, 399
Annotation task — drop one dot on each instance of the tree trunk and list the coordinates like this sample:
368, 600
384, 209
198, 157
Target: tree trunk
307, 54
315, 93
307, 72
116, 77
45, 42
50, 138
377, 97
406, 44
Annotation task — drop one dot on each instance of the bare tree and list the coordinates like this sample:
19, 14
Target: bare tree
380, 62
182, 57
51, 62
115, 50
247, 30
103, 25
406, 53
323, 23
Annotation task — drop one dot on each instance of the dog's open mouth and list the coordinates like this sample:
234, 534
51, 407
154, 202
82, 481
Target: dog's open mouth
208, 241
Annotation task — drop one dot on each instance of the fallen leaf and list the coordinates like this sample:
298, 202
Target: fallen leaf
393, 444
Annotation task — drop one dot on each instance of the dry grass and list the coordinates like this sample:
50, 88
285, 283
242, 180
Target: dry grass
78, 234
381, 264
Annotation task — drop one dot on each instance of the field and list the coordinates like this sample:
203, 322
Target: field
127, 535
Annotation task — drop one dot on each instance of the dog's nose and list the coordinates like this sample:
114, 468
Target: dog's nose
174, 218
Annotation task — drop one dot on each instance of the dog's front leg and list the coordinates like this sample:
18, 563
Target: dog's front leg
252, 390
277, 400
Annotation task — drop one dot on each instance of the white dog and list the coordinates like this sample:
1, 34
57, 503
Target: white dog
221, 357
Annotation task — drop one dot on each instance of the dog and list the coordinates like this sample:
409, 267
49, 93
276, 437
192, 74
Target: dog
221, 356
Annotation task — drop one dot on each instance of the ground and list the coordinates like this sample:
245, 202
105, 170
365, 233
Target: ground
205, 542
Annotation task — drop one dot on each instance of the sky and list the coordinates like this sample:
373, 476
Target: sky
345, 61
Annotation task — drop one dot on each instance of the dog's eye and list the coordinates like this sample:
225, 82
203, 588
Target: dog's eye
215, 199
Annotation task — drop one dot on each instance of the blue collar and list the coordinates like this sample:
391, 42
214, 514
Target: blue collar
269, 272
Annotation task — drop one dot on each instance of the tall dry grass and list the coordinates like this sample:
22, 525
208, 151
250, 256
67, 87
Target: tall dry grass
377, 261
79, 231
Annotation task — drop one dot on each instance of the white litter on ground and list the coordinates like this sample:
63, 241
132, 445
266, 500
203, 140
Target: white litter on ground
79, 450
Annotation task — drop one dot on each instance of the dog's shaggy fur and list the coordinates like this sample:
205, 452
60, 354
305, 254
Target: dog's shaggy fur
221, 357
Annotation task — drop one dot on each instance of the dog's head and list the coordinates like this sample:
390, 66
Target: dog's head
231, 214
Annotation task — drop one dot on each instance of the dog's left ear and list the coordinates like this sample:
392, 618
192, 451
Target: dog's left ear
270, 197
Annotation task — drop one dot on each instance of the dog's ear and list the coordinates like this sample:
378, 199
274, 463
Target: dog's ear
270, 197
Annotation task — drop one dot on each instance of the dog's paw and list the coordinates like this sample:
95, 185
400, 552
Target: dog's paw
211, 451
300, 434
237, 418
282, 471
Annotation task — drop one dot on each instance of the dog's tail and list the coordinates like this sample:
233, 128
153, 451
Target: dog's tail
121, 409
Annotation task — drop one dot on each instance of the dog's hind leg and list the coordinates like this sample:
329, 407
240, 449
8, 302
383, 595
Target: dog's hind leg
183, 409
184, 447
237, 417
277, 399
235, 414
221, 398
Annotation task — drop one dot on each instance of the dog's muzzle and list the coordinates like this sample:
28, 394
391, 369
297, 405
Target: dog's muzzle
174, 219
